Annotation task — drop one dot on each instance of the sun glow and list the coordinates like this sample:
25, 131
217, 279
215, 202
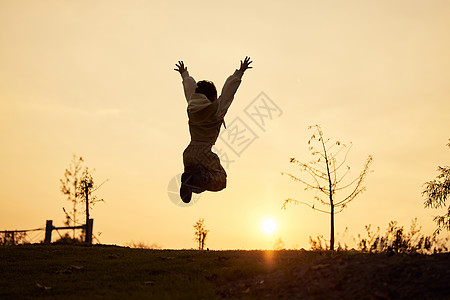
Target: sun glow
269, 225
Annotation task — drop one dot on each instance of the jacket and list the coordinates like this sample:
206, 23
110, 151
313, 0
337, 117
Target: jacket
206, 117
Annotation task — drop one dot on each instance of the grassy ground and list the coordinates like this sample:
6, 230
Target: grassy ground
108, 272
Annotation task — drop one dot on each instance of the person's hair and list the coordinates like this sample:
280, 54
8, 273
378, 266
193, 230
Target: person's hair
207, 88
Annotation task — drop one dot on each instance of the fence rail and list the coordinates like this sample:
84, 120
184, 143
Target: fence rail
11, 236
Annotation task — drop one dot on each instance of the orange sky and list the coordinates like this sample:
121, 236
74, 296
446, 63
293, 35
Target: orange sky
96, 79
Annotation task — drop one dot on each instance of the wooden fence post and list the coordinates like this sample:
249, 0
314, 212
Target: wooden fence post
48, 232
89, 227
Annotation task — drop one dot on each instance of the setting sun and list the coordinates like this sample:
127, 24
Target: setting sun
269, 226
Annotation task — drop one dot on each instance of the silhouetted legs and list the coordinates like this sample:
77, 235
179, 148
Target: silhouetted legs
202, 172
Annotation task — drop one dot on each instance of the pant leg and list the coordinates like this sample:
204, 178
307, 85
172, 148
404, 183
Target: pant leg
215, 175
216, 179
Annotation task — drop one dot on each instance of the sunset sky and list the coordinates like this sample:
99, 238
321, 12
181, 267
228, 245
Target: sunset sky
96, 79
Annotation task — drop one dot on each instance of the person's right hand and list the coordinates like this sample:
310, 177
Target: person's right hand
180, 67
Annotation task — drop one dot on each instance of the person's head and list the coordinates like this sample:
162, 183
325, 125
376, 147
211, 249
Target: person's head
207, 88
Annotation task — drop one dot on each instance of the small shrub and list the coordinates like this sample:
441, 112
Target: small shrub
397, 240
143, 245
319, 244
12, 238
67, 239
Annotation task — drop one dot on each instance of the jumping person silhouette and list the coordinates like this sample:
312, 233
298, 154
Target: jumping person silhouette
206, 112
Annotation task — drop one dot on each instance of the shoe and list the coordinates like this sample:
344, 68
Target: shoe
197, 181
185, 189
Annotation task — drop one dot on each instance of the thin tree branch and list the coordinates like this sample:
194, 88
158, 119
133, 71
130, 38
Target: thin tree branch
100, 185
345, 156
302, 181
343, 176
304, 166
360, 179
297, 202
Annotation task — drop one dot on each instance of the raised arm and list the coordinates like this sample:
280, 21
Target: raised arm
230, 87
189, 83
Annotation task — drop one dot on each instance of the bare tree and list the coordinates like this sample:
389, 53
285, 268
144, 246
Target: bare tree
70, 186
200, 233
327, 177
78, 185
86, 190
436, 193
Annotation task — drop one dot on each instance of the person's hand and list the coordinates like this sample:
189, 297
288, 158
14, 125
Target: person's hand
245, 64
180, 67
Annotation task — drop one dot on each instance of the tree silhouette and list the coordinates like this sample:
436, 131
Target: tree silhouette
200, 233
70, 186
78, 185
86, 189
327, 176
436, 193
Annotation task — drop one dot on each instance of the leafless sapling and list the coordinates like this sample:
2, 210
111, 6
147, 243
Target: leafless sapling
326, 175
78, 186
70, 186
200, 233
87, 188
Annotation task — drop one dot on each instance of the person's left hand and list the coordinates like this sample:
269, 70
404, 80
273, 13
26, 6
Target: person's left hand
180, 67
